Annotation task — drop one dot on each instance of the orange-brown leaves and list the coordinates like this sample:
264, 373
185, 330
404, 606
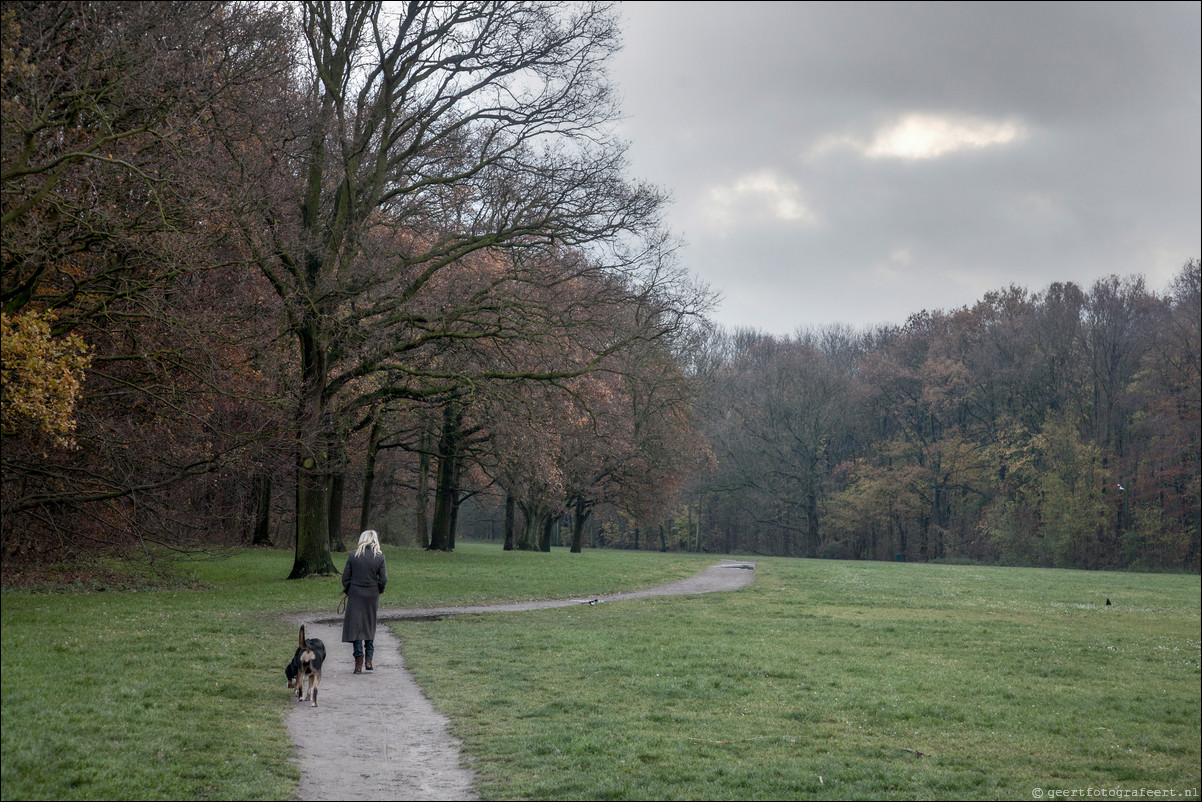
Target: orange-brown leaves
41, 376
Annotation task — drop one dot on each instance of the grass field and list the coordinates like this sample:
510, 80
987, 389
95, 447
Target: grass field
824, 679
833, 680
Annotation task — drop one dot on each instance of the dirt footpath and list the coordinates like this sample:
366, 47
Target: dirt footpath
376, 736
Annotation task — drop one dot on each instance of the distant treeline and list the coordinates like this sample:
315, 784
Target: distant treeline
1058, 428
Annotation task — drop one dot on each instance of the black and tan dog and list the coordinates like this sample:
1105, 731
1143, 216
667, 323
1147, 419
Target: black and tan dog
306, 667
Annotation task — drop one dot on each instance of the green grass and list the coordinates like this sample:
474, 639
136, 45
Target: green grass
832, 680
179, 694
823, 679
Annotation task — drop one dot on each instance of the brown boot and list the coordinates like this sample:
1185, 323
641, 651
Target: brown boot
367, 665
358, 665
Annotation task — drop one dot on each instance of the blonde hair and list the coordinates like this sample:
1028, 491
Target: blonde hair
366, 540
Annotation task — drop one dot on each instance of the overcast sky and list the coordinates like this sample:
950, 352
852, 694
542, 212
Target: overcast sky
858, 162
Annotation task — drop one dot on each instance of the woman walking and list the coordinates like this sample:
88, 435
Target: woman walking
363, 580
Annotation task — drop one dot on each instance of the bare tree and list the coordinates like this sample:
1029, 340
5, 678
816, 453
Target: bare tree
454, 128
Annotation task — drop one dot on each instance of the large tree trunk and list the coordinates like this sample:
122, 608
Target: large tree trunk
440, 531
312, 521
312, 473
369, 476
580, 514
536, 515
337, 496
337, 486
312, 499
448, 473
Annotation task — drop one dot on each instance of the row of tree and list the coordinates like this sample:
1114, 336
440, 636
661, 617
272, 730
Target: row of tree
273, 274
1058, 428
247, 249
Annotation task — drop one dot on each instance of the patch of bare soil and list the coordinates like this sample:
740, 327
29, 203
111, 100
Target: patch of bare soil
376, 736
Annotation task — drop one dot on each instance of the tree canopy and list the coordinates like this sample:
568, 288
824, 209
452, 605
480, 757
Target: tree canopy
275, 273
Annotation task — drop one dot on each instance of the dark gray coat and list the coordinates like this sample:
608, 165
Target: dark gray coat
363, 580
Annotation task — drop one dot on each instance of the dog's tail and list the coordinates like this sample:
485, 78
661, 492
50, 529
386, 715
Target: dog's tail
302, 636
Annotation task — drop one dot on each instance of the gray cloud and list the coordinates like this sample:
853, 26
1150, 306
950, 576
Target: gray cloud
851, 162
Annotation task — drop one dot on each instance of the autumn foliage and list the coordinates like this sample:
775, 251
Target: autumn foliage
1058, 428
274, 274
41, 377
